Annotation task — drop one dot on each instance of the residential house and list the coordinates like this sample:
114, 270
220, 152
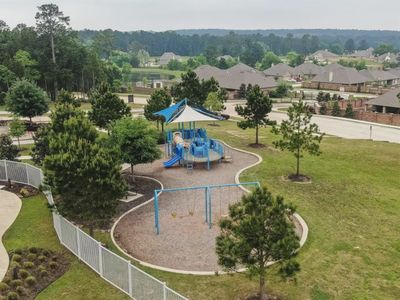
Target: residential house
388, 58
307, 71
386, 103
363, 54
167, 57
280, 71
232, 78
382, 78
323, 56
339, 79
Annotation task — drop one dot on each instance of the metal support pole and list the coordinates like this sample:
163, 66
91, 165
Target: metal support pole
26, 171
130, 280
156, 212
165, 291
209, 208
100, 260
206, 203
5, 167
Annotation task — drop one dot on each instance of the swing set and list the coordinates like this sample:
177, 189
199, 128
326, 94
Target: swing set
210, 197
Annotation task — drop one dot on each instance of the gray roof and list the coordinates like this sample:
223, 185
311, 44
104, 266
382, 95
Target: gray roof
368, 53
308, 68
334, 67
279, 70
324, 54
395, 71
233, 78
378, 75
341, 76
241, 67
390, 99
388, 57
167, 56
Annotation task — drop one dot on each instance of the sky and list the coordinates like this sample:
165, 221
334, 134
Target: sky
161, 15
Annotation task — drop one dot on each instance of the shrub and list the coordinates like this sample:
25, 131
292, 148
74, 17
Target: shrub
16, 282
46, 253
12, 296
18, 251
31, 256
7, 280
17, 257
14, 264
23, 273
28, 265
53, 265
24, 192
21, 291
54, 258
44, 273
41, 267
4, 287
42, 258
33, 250
30, 281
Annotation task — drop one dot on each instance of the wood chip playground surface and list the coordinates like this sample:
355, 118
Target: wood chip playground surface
185, 241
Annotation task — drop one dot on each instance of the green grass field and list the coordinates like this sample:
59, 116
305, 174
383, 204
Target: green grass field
351, 208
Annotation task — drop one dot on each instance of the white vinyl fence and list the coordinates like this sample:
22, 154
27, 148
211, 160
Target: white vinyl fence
111, 267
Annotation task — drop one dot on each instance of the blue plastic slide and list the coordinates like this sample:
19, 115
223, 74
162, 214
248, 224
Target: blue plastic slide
172, 161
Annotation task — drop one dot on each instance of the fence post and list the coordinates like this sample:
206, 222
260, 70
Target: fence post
209, 208
100, 260
5, 168
206, 203
78, 242
156, 212
130, 279
26, 171
164, 291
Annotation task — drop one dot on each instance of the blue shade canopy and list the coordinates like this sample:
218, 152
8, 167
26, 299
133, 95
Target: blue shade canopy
181, 112
169, 112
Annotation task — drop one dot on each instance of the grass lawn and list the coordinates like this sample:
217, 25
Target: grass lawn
33, 227
351, 208
25, 149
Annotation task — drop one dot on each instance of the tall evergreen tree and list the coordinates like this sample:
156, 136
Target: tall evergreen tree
159, 100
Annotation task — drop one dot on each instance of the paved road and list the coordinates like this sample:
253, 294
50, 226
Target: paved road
10, 206
350, 129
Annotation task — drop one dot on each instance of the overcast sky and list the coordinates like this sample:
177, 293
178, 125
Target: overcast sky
160, 15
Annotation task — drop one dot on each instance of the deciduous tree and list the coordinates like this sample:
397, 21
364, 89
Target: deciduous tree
159, 100
8, 151
17, 129
257, 232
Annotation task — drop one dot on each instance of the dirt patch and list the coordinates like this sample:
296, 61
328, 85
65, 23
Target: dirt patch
257, 146
21, 190
266, 297
302, 179
31, 271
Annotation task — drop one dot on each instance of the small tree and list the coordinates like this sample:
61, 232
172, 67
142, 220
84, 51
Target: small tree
25, 99
137, 140
323, 109
65, 97
159, 100
335, 109
17, 129
242, 91
107, 107
7, 149
327, 97
320, 97
257, 232
349, 113
257, 108
298, 134
41, 144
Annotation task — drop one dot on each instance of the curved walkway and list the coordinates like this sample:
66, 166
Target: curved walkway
10, 205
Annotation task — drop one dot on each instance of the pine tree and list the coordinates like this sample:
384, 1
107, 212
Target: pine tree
258, 231
298, 134
335, 109
349, 113
8, 151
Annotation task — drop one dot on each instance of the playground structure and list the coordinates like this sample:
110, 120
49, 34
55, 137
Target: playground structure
190, 145
207, 201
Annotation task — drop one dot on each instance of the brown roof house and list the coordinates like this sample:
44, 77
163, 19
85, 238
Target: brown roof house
382, 78
167, 57
323, 56
363, 54
387, 103
307, 70
280, 71
340, 79
388, 58
232, 78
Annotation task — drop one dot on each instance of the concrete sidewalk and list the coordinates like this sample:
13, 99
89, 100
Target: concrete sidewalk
10, 205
